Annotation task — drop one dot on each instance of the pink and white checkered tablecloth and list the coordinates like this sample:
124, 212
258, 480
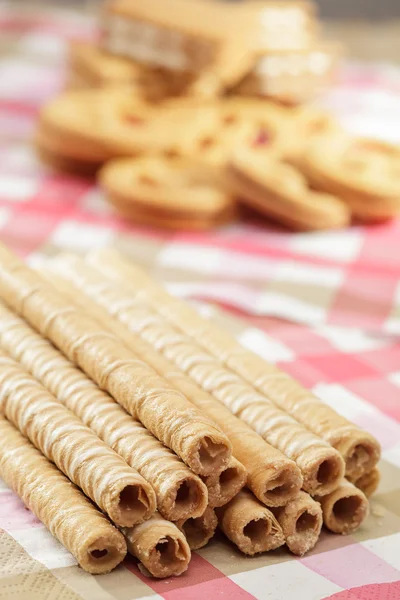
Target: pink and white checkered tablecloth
324, 306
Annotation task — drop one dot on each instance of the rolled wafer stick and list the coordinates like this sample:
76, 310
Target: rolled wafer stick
369, 482
345, 509
224, 486
104, 476
180, 493
96, 544
199, 531
115, 368
321, 465
160, 546
272, 477
301, 522
250, 525
360, 450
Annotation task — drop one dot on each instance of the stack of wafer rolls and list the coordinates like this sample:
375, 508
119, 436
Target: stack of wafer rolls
63, 508
322, 467
102, 474
272, 477
359, 449
136, 386
180, 493
95, 363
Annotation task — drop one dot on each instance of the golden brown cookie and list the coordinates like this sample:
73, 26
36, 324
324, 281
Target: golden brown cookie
73, 127
105, 123
243, 121
164, 193
281, 192
63, 156
362, 172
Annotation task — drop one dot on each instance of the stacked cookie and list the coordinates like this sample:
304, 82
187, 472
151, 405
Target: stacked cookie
189, 164
159, 109
206, 48
114, 390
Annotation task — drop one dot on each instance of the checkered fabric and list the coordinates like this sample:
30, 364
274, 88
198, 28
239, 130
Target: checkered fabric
324, 306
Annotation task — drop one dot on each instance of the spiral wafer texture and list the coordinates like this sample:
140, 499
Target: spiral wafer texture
63, 508
272, 477
180, 493
301, 522
160, 546
359, 449
104, 476
250, 525
136, 386
199, 531
322, 467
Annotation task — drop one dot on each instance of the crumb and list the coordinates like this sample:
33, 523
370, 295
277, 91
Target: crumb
378, 511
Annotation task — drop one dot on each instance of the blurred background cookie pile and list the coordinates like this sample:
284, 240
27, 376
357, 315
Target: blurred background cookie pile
190, 112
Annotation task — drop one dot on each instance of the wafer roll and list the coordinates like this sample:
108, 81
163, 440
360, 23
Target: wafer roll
200, 530
250, 525
180, 493
224, 486
301, 522
104, 476
136, 386
369, 482
272, 477
322, 467
63, 509
360, 450
160, 546
345, 509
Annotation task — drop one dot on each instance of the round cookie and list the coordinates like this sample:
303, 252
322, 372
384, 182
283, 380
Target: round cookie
62, 155
243, 121
167, 193
277, 190
80, 119
364, 173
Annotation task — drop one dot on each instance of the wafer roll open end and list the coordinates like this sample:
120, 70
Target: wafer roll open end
160, 546
369, 482
250, 525
279, 487
211, 455
131, 504
225, 485
360, 450
102, 554
301, 522
198, 531
322, 469
345, 509
188, 499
